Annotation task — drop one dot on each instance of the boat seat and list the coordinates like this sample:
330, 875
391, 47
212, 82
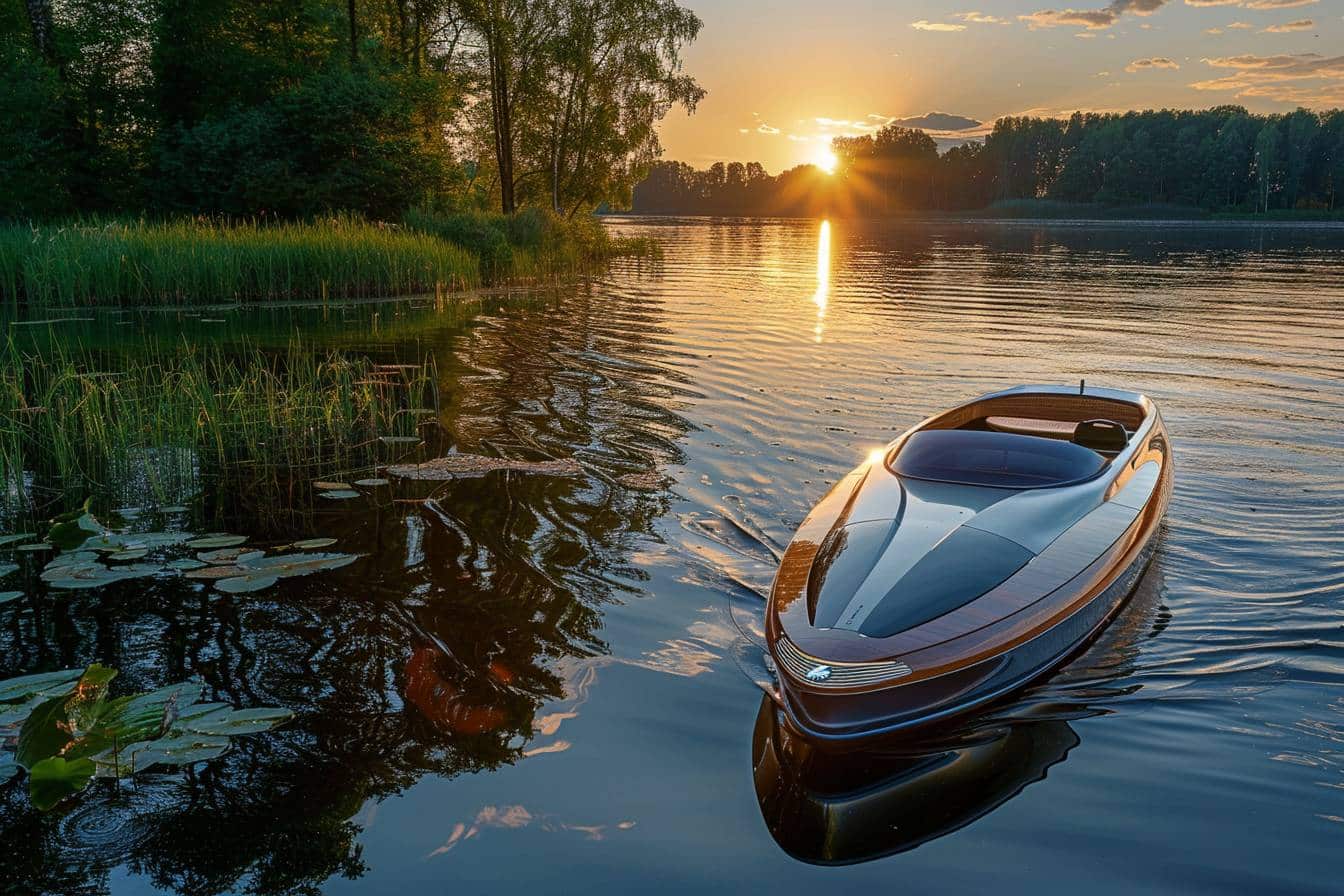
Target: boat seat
1032, 426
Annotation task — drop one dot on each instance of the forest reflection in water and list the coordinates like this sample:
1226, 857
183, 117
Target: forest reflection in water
532, 681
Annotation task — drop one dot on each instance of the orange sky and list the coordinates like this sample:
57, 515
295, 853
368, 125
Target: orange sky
783, 77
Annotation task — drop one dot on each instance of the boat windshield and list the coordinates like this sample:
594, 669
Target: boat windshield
999, 459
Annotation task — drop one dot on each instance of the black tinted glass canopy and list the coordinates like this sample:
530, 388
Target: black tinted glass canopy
1005, 460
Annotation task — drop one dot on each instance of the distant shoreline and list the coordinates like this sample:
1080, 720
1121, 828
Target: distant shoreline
1046, 210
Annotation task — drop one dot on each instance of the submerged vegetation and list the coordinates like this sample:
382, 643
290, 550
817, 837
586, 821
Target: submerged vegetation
153, 425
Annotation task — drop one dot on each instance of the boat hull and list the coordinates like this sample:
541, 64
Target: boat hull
1001, 641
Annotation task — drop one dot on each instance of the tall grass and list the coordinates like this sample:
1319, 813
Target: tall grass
161, 424
530, 244
197, 261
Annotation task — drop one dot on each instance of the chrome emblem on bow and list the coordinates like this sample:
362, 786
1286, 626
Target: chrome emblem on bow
818, 673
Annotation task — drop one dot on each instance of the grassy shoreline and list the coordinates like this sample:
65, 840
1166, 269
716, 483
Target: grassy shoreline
191, 261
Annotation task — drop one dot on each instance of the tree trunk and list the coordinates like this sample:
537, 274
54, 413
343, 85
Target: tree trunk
39, 17
499, 112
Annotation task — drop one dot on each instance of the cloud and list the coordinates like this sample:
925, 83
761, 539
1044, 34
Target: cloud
980, 18
1253, 4
1307, 79
1094, 19
1213, 31
926, 25
1240, 26
1139, 65
766, 129
1298, 25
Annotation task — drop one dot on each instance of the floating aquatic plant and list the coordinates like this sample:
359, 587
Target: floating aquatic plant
68, 731
454, 465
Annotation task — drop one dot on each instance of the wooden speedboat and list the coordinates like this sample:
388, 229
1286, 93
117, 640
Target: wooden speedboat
973, 554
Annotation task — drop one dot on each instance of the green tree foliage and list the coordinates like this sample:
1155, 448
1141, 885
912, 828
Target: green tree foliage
299, 107
1220, 159
576, 88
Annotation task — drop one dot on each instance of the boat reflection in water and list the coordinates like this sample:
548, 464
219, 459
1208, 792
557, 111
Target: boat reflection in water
836, 808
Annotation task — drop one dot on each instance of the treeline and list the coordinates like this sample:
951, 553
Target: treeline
1221, 159
292, 108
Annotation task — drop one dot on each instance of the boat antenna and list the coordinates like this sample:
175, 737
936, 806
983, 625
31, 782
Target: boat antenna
1082, 384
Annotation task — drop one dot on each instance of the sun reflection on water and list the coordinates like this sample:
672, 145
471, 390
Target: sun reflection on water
820, 297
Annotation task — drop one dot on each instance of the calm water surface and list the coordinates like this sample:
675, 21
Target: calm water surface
548, 685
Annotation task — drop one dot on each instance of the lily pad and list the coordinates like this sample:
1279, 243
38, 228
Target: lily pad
113, 542
184, 564
178, 750
400, 440
56, 723
340, 494
56, 779
95, 576
7, 568
217, 541
7, 596
375, 482
285, 565
176, 508
309, 544
215, 572
229, 555
72, 532
129, 554
331, 486
35, 546
454, 465
43, 684
10, 539
229, 722
246, 584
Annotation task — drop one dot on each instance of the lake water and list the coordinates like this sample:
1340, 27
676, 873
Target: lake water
547, 685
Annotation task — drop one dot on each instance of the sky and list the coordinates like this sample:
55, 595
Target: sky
784, 76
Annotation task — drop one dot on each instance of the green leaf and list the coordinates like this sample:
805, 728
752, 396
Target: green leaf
229, 722
217, 541
340, 494
285, 565
7, 568
43, 684
7, 596
179, 750
55, 779
185, 564
58, 722
229, 555
10, 539
246, 584
68, 534
42, 735
309, 544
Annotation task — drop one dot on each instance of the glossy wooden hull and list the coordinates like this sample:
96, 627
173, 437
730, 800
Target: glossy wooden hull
994, 644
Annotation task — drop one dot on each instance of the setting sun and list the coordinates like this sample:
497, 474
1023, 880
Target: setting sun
826, 160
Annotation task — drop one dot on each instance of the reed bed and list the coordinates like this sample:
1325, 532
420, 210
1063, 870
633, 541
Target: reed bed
158, 423
200, 261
